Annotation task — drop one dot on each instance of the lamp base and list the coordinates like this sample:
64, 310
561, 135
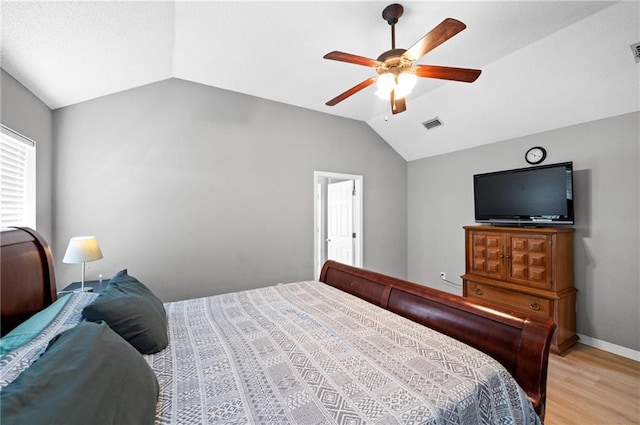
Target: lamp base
86, 289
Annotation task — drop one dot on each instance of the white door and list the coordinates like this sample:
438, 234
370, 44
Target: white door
340, 222
321, 182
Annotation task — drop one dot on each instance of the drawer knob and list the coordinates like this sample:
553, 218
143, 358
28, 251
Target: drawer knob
478, 291
534, 306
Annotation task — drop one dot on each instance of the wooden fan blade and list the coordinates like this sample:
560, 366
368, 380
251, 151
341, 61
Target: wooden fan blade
397, 105
351, 91
349, 58
447, 73
444, 31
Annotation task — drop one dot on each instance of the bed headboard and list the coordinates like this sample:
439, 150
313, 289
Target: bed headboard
519, 342
27, 280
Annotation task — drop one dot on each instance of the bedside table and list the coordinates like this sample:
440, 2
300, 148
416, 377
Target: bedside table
96, 286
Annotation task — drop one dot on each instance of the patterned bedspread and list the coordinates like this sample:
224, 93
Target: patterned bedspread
306, 353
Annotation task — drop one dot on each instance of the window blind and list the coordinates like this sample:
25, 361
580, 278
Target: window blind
17, 179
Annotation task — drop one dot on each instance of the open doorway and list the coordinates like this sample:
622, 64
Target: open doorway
338, 211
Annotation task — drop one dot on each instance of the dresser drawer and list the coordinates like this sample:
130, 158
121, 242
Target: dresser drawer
523, 302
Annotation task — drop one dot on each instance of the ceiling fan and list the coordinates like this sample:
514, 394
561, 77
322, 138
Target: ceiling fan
396, 73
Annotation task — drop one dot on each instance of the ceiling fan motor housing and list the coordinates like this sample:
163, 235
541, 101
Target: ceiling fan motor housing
393, 61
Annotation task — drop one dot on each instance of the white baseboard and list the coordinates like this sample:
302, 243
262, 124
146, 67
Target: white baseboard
612, 348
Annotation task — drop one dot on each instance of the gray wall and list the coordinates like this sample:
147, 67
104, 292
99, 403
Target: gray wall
23, 112
199, 191
606, 160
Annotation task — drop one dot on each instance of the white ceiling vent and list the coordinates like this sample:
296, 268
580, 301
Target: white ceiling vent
635, 48
434, 122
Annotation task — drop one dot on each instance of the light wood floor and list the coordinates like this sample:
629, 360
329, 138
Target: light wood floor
588, 386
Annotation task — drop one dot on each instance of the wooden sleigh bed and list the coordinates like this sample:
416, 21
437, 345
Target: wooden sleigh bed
519, 343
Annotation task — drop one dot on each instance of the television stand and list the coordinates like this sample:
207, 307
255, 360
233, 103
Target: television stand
527, 269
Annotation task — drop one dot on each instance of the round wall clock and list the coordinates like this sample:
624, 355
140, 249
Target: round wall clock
535, 155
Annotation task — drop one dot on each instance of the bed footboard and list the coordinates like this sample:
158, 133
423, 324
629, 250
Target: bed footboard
520, 343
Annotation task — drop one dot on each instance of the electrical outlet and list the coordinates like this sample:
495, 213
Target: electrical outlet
443, 276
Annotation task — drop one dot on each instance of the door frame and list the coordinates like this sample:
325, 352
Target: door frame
319, 200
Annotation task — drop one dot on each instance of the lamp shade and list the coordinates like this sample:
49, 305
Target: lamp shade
82, 249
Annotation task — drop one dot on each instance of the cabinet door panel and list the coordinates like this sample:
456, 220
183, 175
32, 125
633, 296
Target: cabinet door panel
486, 254
530, 260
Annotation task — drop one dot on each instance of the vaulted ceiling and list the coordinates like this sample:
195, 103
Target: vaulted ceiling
545, 64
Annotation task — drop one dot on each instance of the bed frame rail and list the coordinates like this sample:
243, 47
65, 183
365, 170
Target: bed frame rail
520, 343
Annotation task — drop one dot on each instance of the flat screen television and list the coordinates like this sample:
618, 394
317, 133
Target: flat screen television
532, 196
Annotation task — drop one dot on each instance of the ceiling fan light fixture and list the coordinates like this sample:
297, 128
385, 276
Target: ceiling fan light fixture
406, 83
402, 86
386, 82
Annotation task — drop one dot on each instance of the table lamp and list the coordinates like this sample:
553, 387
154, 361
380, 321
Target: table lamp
82, 249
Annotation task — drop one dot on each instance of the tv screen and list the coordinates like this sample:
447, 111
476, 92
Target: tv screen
525, 196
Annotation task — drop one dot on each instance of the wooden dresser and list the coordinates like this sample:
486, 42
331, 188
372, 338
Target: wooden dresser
527, 269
